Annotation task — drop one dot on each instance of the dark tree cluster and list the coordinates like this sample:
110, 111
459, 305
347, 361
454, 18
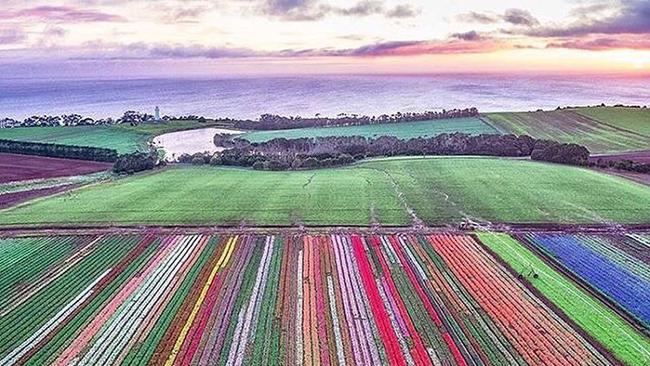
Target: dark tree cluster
58, 151
136, 162
275, 122
308, 153
624, 164
555, 152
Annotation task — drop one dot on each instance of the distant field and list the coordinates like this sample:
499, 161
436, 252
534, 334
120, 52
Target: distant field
573, 127
406, 130
632, 119
437, 190
123, 138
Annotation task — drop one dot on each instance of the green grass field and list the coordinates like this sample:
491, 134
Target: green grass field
636, 120
607, 327
123, 138
405, 130
439, 190
575, 126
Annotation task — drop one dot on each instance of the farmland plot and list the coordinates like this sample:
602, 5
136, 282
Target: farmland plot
616, 266
571, 127
595, 317
273, 299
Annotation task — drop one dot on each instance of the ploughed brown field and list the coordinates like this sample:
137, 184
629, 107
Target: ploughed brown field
15, 167
14, 198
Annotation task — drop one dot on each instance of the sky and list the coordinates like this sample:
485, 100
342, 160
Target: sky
249, 37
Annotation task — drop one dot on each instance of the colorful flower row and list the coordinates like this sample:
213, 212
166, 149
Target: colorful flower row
439, 299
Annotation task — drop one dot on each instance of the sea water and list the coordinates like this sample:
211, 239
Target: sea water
248, 97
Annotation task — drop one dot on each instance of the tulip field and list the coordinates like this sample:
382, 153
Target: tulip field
287, 299
616, 266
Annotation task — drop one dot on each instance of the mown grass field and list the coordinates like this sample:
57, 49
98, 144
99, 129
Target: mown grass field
438, 190
632, 119
123, 138
607, 134
405, 130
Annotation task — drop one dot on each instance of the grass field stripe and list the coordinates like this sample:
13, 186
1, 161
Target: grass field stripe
179, 342
52, 323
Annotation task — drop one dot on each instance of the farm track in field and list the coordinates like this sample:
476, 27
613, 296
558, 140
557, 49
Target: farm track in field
215, 298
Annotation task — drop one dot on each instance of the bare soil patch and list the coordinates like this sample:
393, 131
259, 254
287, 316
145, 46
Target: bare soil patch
15, 167
12, 199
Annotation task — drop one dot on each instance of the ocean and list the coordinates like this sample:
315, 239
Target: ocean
248, 97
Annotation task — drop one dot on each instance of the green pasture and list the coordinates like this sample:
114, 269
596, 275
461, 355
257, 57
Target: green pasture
439, 191
123, 138
406, 130
601, 130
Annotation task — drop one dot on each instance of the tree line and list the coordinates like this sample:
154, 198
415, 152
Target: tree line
58, 151
623, 164
276, 122
308, 153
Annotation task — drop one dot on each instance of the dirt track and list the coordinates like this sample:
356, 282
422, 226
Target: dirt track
185, 229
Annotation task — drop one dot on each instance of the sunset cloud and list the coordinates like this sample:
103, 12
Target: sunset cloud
61, 14
310, 31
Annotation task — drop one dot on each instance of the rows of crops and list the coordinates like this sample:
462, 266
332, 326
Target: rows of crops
618, 266
288, 299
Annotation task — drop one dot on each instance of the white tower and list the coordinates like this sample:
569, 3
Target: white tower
157, 114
